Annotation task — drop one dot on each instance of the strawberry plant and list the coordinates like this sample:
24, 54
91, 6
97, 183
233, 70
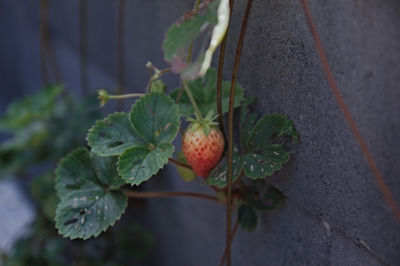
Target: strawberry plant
126, 149
41, 128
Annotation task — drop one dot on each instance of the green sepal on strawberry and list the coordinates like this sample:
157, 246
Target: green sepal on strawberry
203, 144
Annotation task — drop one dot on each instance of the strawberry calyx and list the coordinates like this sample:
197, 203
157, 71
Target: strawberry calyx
206, 123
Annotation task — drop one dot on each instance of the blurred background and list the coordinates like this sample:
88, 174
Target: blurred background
335, 214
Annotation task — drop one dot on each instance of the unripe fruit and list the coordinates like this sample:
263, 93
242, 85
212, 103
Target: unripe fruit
202, 152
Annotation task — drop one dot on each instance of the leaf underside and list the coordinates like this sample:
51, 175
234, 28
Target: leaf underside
247, 217
193, 26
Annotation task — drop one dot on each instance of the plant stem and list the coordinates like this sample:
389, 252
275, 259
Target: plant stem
230, 129
134, 194
192, 100
157, 74
124, 96
235, 227
179, 163
188, 55
220, 71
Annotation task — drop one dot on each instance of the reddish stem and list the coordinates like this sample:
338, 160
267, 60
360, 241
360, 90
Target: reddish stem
230, 129
134, 194
235, 227
221, 60
347, 114
180, 163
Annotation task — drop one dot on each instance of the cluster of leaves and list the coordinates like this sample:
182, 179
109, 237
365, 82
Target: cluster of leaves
263, 152
130, 148
139, 143
271, 199
43, 246
42, 127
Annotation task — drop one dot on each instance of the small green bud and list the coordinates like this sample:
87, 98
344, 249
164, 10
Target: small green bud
103, 96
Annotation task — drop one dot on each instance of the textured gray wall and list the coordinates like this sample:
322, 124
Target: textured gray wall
335, 213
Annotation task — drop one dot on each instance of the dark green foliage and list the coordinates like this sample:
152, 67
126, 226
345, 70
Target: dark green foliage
43, 127
142, 138
247, 217
204, 92
88, 187
218, 176
43, 247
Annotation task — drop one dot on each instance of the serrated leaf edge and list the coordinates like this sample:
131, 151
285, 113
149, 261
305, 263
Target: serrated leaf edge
137, 184
61, 198
94, 235
92, 129
60, 162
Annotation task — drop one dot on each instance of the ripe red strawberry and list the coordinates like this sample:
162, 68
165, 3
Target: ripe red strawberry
202, 151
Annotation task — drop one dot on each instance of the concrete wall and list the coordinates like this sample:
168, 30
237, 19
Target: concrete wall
335, 213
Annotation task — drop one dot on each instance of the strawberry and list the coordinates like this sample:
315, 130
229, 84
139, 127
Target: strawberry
202, 145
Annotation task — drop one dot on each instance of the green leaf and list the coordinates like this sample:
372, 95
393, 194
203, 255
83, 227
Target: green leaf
264, 162
181, 34
30, 136
113, 135
218, 176
70, 123
265, 152
138, 164
80, 170
247, 120
143, 138
90, 200
43, 191
273, 198
204, 91
247, 217
269, 127
186, 174
34, 107
12, 161
156, 118
158, 86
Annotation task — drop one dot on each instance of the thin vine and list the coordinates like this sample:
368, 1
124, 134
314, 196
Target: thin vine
221, 60
230, 129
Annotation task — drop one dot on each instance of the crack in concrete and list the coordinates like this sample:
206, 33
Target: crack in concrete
357, 241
